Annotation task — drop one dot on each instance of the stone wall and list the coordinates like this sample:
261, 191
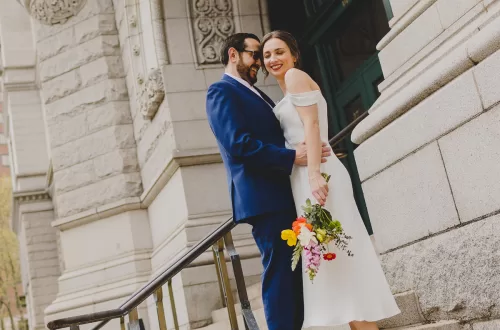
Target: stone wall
91, 135
427, 157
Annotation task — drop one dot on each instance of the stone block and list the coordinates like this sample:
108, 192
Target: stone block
400, 7
454, 274
113, 239
205, 188
441, 112
248, 7
179, 45
87, 52
108, 67
410, 312
183, 78
452, 10
64, 130
251, 24
115, 162
93, 145
87, 98
486, 74
99, 193
471, 156
185, 139
54, 45
74, 177
213, 75
420, 32
410, 200
101, 24
174, 9
108, 114
171, 201
487, 325
61, 86
187, 105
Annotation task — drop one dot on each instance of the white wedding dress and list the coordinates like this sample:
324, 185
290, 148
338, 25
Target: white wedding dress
348, 288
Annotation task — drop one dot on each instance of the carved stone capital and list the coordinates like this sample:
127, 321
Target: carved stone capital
52, 12
151, 94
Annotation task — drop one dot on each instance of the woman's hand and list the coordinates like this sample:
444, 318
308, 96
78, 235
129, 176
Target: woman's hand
319, 187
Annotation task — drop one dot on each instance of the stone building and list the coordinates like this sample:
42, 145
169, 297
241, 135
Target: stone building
116, 172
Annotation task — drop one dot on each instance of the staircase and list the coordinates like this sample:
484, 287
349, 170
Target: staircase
410, 318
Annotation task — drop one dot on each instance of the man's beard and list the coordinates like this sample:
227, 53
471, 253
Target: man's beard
245, 73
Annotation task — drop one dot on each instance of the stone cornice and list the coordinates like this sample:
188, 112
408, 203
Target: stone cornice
31, 196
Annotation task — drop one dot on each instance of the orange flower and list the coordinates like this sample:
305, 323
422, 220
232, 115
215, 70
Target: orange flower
297, 225
329, 256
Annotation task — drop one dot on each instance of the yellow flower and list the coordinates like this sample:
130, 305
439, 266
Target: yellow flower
289, 236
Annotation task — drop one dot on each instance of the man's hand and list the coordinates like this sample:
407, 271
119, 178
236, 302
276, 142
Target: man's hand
301, 153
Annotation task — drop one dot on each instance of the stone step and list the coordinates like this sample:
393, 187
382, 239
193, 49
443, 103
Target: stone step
225, 325
442, 325
222, 315
410, 312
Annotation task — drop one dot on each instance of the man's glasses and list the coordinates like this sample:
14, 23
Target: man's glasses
254, 53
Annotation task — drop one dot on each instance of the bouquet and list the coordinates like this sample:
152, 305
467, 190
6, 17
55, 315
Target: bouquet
311, 233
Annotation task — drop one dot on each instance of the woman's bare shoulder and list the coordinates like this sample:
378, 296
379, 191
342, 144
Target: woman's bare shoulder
298, 81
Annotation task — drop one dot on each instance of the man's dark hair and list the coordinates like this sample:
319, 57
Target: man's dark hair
236, 41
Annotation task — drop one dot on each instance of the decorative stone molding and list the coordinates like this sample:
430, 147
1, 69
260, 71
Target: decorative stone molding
32, 196
151, 94
212, 21
54, 11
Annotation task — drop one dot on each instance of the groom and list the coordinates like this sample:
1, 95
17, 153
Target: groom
258, 167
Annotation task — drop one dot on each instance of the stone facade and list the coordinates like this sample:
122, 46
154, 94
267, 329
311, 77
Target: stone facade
427, 155
116, 172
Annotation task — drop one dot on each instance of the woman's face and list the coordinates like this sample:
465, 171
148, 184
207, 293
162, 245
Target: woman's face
278, 58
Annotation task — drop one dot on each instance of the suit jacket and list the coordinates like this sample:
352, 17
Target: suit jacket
253, 149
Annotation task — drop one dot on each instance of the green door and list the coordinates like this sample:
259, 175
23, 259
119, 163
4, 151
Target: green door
339, 43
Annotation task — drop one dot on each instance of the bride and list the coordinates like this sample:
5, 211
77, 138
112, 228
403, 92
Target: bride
347, 290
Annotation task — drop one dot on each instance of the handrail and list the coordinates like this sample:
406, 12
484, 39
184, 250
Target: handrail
198, 249
143, 293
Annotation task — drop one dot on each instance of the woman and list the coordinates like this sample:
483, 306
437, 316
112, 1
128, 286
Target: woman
348, 290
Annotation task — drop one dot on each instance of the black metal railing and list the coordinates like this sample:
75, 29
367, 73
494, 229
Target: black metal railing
220, 239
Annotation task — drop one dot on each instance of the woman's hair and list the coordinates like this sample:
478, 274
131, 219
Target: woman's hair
288, 39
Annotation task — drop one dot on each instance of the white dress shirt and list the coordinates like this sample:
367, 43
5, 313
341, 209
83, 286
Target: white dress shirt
245, 83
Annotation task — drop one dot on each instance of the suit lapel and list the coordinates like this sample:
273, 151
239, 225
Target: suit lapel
264, 99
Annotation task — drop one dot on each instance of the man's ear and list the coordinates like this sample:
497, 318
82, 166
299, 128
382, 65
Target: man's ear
233, 55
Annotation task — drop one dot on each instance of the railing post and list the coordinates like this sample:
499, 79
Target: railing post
122, 323
160, 311
246, 309
172, 304
219, 278
135, 323
218, 249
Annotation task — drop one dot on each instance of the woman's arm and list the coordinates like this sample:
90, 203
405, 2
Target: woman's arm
299, 82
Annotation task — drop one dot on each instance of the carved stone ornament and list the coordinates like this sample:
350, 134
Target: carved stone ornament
151, 94
212, 21
55, 11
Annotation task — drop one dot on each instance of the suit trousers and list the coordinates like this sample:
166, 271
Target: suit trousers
282, 293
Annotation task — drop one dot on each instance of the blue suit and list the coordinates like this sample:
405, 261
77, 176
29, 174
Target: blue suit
258, 169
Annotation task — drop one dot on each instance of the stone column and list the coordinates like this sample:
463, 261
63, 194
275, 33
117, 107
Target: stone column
427, 156
32, 209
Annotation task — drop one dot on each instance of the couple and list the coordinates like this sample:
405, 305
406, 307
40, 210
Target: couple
274, 156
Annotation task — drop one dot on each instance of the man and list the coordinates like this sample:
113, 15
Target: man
258, 167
